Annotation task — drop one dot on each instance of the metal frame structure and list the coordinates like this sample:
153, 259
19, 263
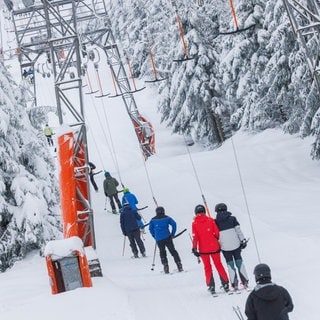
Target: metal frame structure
51, 28
304, 17
62, 32
103, 38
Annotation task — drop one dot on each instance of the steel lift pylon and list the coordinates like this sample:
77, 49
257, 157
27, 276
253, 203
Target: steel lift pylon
51, 29
304, 17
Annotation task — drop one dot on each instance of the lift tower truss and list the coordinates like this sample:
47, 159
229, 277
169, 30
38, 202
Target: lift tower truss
305, 21
51, 29
104, 39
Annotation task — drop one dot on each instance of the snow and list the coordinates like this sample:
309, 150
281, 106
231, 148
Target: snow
268, 181
276, 202
64, 247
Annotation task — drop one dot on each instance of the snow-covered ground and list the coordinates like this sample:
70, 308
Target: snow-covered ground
267, 180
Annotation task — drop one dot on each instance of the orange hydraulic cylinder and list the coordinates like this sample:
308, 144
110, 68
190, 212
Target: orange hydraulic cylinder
82, 186
67, 185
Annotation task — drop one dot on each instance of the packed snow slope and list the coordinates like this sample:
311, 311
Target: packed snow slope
268, 181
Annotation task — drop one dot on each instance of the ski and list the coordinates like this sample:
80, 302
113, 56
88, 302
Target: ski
219, 293
110, 211
238, 312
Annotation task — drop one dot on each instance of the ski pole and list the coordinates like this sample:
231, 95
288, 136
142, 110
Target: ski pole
124, 245
145, 207
105, 204
154, 256
179, 234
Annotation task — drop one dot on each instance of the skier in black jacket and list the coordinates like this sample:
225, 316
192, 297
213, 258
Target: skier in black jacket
267, 301
130, 228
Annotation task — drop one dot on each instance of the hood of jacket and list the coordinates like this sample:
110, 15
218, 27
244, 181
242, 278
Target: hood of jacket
266, 292
222, 215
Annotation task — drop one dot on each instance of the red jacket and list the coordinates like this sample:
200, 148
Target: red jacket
205, 234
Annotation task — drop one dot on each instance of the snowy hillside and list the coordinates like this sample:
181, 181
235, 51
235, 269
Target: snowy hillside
268, 181
281, 187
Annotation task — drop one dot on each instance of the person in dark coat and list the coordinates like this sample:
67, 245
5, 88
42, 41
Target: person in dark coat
92, 167
232, 241
163, 229
205, 244
129, 197
267, 301
110, 190
130, 228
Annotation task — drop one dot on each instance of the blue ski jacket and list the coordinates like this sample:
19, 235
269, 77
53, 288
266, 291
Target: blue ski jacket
160, 226
130, 198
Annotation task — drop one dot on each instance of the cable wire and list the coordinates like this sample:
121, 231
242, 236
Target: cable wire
245, 199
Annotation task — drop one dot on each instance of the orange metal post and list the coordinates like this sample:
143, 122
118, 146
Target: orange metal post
67, 185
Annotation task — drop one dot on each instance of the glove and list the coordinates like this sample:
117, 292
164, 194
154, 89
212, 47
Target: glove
195, 252
243, 243
124, 233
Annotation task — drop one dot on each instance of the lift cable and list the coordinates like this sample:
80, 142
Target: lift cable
245, 198
149, 182
114, 155
197, 177
110, 148
244, 192
105, 137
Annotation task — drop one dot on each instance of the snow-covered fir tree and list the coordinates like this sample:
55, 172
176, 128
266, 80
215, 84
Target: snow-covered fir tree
29, 212
254, 80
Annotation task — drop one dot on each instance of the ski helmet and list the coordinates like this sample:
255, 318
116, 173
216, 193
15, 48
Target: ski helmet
199, 209
107, 174
221, 207
160, 210
262, 271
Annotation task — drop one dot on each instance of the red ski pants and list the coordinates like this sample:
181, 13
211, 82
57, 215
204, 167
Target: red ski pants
215, 257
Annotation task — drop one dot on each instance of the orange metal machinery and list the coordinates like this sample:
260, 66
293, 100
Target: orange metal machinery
72, 271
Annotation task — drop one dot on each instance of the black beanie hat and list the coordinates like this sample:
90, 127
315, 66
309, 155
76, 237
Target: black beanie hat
160, 210
199, 209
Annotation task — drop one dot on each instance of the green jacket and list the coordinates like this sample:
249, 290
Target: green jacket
110, 186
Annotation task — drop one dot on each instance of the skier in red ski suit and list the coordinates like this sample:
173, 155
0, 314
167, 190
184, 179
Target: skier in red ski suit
205, 244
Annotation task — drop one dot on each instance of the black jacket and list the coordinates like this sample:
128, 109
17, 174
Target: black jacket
268, 302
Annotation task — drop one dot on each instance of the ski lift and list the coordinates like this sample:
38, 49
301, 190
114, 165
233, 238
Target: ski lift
132, 76
156, 78
84, 72
96, 67
235, 21
184, 45
92, 56
45, 73
145, 135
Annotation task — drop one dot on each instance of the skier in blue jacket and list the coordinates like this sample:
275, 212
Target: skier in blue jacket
159, 228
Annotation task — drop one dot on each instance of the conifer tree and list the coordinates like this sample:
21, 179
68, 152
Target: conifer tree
28, 187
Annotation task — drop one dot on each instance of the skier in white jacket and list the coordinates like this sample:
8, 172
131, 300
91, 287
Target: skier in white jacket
232, 241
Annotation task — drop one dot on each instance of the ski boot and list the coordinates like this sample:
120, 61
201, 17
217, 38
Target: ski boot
212, 290
179, 265
225, 287
166, 268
